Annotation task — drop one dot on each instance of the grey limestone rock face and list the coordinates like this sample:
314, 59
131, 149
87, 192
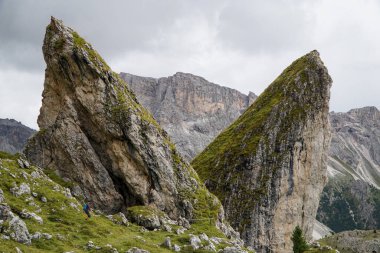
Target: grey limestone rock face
353, 172
355, 144
191, 109
269, 167
94, 132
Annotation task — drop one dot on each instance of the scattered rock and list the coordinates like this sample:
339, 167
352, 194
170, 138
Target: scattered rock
216, 240
5, 237
167, 243
18, 231
184, 223
61, 237
5, 212
35, 194
233, 250
176, 248
20, 163
21, 190
25, 175
124, 220
67, 193
73, 205
28, 215
167, 228
136, 250
180, 231
2, 198
210, 247
36, 236
203, 237
147, 217
112, 249
47, 236
43, 199
315, 245
90, 245
195, 242
35, 174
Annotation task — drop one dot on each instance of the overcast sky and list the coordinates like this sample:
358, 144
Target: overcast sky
240, 44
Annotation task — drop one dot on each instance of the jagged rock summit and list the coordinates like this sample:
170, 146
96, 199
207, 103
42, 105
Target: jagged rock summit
269, 167
95, 133
191, 109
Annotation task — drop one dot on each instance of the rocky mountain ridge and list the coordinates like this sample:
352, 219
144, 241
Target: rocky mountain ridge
13, 135
191, 109
269, 167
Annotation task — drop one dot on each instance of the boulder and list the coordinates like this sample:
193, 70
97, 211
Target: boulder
18, 231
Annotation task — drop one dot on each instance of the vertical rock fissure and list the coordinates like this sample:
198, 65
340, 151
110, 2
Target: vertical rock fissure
100, 147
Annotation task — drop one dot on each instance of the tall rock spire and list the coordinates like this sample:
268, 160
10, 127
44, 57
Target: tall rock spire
94, 132
269, 167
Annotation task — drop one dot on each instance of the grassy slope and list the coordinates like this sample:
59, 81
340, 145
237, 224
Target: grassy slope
60, 218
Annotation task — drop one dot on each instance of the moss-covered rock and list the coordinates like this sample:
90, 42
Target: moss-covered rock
268, 167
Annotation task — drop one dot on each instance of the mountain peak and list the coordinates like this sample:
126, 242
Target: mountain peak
96, 134
270, 164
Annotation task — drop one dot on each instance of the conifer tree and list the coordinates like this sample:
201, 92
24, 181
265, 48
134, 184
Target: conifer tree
299, 242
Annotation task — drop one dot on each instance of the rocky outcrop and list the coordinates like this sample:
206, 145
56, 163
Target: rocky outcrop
13, 135
95, 133
269, 167
351, 199
192, 110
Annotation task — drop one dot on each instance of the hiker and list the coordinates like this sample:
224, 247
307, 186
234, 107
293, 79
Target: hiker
87, 209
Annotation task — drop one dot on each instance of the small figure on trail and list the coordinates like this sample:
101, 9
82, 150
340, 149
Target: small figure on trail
87, 209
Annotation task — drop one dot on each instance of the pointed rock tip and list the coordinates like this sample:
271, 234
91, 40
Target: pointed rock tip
314, 55
55, 23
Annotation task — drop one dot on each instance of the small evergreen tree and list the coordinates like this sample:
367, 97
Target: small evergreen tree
299, 243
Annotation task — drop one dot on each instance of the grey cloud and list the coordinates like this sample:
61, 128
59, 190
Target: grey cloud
242, 44
266, 26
